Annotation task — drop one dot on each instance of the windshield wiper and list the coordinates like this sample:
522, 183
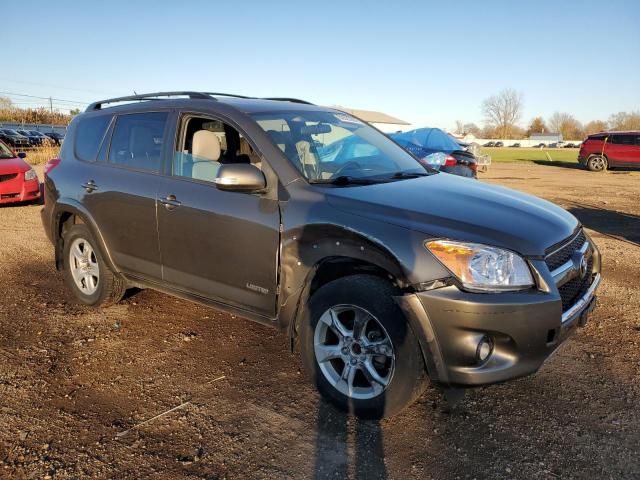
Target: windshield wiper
407, 175
348, 180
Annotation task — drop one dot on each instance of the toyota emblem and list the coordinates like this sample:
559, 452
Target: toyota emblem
583, 267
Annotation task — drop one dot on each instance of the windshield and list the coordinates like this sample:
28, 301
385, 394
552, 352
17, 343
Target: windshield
5, 152
330, 145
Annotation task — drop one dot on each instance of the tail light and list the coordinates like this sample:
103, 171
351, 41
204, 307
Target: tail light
51, 164
449, 161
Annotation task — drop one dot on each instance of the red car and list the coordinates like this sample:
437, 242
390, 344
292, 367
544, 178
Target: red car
18, 181
610, 149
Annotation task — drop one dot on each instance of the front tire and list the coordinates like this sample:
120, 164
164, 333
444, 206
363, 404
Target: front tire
86, 274
358, 348
597, 163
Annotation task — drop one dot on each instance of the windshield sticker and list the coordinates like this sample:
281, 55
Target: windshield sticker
343, 117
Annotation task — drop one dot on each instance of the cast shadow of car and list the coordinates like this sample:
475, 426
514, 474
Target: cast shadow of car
609, 222
332, 456
559, 163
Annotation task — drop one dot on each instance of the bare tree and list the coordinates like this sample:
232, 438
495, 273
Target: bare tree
471, 128
5, 103
503, 111
466, 128
625, 121
595, 126
566, 125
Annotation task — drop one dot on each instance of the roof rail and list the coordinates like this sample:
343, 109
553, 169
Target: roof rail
149, 96
286, 99
195, 95
218, 94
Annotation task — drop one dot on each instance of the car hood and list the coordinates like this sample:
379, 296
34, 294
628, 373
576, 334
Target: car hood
449, 206
13, 165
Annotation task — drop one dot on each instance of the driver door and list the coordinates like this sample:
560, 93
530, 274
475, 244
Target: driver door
220, 245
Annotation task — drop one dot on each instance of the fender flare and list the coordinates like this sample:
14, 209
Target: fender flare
69, 205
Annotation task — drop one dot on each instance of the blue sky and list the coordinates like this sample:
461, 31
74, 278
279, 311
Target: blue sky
430, 63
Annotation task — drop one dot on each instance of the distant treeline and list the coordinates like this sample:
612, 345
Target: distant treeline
33, 115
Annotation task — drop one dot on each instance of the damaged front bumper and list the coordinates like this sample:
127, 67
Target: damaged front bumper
524, 329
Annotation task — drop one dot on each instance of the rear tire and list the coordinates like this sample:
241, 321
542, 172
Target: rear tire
597, 163
86, 274
358, 348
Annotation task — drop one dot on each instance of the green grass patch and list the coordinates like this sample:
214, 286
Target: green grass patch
538, 155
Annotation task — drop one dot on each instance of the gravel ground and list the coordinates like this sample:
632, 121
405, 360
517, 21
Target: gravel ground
75, 383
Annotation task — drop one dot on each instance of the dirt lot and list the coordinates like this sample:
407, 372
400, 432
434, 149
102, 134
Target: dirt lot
72, 379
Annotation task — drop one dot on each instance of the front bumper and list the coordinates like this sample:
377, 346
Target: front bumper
18, 190
524, 327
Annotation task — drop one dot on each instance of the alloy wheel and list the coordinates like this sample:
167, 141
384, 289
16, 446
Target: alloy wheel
354, 352
84, 267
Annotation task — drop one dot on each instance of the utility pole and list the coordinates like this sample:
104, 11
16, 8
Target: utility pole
51, 105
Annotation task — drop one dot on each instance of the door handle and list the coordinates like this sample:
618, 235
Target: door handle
90, 186
170, 202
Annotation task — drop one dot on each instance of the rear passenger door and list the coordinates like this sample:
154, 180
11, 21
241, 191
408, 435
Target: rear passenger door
622, 149
120, 191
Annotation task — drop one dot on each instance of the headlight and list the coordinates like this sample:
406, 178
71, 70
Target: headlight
482, 268
30, 175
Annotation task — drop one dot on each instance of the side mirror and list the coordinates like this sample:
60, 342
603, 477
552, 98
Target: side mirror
240, 177
22, 155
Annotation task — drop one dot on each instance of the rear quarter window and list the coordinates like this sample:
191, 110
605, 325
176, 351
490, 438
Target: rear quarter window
89, 136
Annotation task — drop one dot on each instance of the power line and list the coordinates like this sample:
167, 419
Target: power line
57, 86
76, 102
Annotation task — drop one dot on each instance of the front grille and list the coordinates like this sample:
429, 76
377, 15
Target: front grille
560, 256
571, 291
8, 176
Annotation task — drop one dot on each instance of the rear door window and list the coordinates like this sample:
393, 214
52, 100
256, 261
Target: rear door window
137, 141
600, 138
621, 139
90, 135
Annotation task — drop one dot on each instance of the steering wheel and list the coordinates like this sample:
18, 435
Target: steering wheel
346, 166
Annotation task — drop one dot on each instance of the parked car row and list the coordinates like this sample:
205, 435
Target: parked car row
539, 145
29, 138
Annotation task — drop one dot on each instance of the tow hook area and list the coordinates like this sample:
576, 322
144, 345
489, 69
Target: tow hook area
584, 316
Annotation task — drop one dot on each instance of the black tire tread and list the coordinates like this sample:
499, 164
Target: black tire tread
112, 286
407, 385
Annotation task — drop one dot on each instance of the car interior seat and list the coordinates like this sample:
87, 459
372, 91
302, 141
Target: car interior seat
206, 155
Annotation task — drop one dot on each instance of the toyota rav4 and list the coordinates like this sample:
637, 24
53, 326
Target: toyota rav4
383, 274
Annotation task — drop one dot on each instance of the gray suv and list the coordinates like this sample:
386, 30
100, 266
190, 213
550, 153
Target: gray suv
384, 275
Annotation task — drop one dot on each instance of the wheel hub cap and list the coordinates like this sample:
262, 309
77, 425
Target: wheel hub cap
354, 352
83, 265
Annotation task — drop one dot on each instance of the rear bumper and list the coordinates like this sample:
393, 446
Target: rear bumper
19, 191
525, 328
